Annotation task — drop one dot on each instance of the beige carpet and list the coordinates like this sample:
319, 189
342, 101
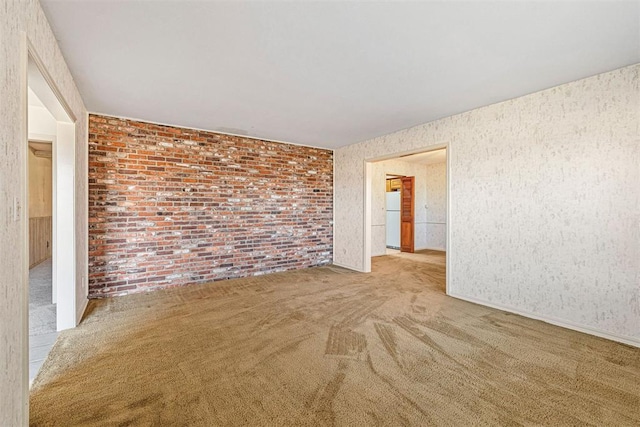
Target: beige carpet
327, 346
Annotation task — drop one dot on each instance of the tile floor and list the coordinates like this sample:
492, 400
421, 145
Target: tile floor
42, 316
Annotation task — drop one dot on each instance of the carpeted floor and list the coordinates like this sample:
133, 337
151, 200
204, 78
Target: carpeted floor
327, 346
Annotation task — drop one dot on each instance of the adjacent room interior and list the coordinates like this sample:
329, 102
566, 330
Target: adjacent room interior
42, 307
429, 170
319, 213
51, 242
425, 238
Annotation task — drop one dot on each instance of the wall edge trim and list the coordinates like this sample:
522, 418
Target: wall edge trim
337, 264
81, 312
431, 248
631, 341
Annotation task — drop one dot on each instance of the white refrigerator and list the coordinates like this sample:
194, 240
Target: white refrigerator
393, 219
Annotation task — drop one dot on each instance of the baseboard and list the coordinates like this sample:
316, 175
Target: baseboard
337, 264
635, 342
80, 313
430, 248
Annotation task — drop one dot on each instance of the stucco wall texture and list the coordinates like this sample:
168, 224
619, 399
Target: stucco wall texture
544, 205
22, 21
436, 206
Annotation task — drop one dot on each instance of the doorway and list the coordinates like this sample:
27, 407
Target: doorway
400, 212
426, 203
392, 207
50, 179
42, 302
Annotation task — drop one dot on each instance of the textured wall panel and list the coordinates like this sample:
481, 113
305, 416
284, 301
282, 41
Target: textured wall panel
18, 18
544, 201
436, 206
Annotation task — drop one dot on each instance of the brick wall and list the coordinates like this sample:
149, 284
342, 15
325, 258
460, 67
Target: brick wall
171, 206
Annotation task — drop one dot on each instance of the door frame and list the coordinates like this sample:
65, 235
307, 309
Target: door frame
63, 177
28, 58
366, 240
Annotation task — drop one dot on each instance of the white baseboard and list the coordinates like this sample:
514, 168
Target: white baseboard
430, 248
337, 264
635, 342
80, 313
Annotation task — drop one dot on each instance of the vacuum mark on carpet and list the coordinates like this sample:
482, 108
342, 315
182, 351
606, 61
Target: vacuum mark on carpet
344, 342
388, 338
323, 401
409, 325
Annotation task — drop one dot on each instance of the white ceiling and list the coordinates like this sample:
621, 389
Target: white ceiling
330, 74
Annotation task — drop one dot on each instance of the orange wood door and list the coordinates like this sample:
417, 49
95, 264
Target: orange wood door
407, 210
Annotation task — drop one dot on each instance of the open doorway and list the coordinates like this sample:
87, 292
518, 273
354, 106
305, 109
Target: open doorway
418, 208
42, 302
50, 174
435, 197
400, 214
392, 213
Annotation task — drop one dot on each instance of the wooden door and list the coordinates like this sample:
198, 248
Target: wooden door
407, 210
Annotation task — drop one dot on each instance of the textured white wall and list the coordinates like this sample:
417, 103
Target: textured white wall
544, 202
436, 190
16, 19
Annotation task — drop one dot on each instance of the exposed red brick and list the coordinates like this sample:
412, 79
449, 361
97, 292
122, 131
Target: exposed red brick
171, 206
